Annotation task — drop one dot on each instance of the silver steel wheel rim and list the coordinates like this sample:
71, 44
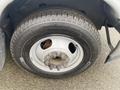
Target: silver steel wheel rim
56, 54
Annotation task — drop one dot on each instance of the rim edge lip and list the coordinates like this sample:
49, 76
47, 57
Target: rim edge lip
37, 63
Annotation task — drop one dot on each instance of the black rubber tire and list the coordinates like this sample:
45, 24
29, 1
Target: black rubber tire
55, 21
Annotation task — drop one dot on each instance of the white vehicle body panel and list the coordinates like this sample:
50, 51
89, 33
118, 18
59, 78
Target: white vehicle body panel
115, 4
4, 4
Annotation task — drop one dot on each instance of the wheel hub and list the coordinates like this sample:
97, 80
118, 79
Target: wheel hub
56, 54
56, 60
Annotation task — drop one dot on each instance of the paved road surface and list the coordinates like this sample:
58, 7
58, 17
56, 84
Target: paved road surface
98, 77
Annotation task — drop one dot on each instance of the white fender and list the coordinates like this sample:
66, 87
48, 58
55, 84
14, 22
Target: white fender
4, 4
115, 4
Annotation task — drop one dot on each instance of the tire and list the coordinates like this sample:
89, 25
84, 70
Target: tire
66, 22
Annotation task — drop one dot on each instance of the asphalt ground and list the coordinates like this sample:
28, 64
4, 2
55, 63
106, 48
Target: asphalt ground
100, 76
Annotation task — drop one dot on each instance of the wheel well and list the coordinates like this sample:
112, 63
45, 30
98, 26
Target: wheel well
19, 9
